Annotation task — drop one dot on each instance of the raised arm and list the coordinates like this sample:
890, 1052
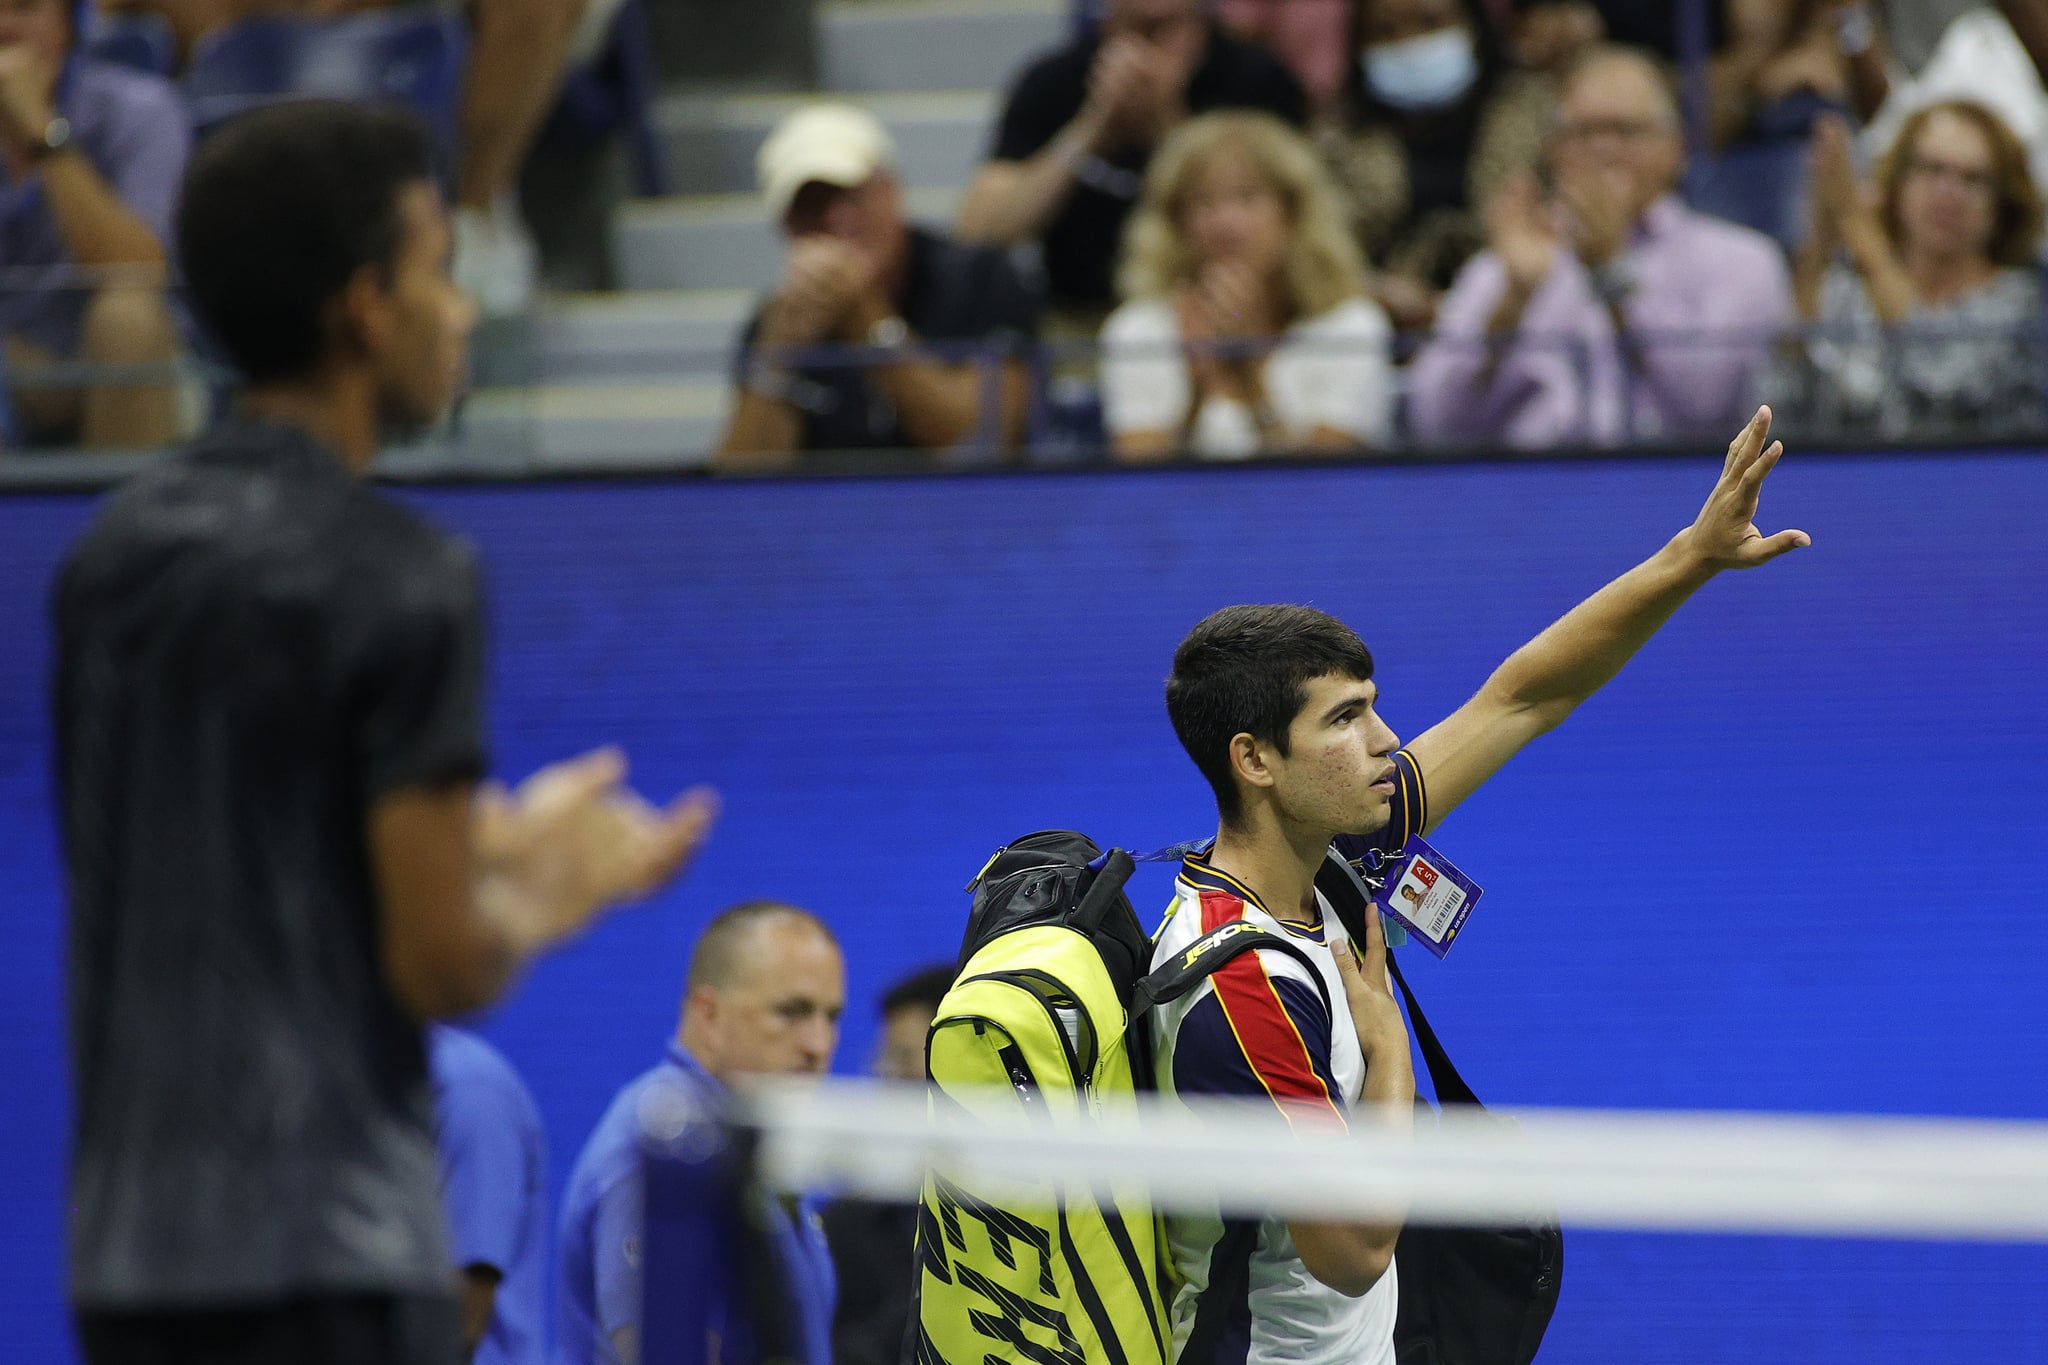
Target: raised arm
1545, 680
1013, 199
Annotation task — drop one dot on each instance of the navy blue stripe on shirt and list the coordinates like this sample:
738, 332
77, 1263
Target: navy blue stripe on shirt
1209, 1058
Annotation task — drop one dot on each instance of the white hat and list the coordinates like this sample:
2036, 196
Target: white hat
837, 144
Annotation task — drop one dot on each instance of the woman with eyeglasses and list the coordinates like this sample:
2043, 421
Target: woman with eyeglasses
1246, 329
1922, 291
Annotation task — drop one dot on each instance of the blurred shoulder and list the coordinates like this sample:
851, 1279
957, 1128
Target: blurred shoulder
1142, 320
137, 96
1353, 318
1727, 241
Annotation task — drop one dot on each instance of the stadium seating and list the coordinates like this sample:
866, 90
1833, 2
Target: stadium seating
641, 377
413, 57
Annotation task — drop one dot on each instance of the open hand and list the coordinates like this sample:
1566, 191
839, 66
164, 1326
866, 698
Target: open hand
573, 840
1375, 1014
1724, 536
1240, 303
1120, 86
1523, 231
822, 280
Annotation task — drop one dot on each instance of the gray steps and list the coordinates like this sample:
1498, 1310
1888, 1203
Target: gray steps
720, 241
711, 141
651, 335
661, 425
934, 44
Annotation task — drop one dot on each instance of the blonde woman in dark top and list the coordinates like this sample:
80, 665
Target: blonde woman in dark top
1246, 330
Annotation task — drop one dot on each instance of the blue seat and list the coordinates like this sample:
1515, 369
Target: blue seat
406, 57
142, 42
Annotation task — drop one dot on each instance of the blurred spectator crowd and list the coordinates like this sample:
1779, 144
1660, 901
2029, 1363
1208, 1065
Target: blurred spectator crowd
1225, 229
100, 105
1328, 226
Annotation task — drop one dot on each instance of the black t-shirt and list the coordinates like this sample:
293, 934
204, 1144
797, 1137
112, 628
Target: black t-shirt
1653, 24
873, 1256
951, 292
1082, 244
252, 647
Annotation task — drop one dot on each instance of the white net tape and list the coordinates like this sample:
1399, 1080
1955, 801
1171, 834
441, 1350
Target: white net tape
1906, 1178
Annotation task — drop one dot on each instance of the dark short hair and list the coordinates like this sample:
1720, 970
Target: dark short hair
924, 988
280, 209
722, 947
1245, 671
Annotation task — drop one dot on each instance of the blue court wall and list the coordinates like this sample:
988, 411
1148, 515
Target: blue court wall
1792, 859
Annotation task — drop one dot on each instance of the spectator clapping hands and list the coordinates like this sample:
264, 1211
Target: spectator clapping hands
1227, 307
823, 281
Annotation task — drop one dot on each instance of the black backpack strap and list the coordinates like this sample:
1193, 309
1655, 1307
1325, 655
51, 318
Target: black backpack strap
1102, 892
1348, 895
1230, 1260
1230, 1280
1206, 956
1450, 1086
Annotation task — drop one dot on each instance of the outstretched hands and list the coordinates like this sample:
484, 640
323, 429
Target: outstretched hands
1724, 535
573, 840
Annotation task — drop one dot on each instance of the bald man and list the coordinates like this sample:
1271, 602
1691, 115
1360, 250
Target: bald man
1606, 312
763, 996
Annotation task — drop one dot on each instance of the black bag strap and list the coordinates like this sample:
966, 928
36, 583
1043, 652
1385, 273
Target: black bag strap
1450, 1086
1230, 1280
1206, 956
1102, 893
1341, 885
1230, 1260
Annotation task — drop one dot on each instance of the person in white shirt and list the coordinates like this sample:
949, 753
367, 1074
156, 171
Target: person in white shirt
1247, 330
1276, 706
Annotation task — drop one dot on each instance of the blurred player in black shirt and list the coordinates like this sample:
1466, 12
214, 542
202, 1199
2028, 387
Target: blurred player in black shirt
269, 740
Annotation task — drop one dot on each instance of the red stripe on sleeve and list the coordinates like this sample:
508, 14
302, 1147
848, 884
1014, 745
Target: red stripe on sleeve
1265, 1030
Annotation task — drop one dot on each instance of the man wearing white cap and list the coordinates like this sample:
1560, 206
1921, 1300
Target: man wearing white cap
880, 334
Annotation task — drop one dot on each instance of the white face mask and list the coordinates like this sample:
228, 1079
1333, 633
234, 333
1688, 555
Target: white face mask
1429, 72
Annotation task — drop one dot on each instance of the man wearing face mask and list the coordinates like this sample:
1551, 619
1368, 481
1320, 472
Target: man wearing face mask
1431, 123
858, 275
1080, 127
1606, 311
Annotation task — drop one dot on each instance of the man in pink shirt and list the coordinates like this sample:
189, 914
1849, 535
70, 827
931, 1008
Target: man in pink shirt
1606, 312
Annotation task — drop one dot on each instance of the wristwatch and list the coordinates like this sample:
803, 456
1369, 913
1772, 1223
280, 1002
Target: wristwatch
56, 137
889, 333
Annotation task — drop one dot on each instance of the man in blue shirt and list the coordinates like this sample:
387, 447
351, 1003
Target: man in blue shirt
494, 1189
763, 996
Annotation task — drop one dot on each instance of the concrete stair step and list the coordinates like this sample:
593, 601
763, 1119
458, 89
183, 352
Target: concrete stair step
934, 44
711, 141
653, 334
720, 241
667, 425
